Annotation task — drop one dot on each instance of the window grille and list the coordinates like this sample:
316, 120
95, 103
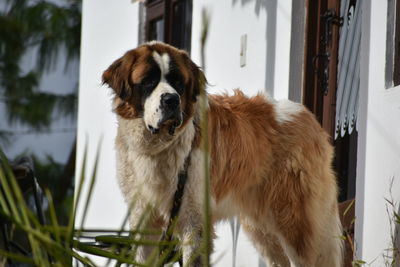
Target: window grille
348, 81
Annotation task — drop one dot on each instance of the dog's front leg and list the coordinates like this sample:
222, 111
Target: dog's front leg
142, 253
190, 220
192, 242
190, 227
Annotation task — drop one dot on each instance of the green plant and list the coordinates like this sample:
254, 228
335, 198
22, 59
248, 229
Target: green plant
204, 133
358, 263
42, 30
55, 245
391, 255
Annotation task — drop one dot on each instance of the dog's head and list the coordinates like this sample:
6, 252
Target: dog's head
156, 82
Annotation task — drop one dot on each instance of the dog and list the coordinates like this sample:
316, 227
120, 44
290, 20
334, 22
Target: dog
270, 161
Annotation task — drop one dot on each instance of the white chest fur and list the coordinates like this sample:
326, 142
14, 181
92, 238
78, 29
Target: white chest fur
148, 165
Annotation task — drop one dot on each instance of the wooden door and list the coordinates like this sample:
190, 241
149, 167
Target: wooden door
320, 93
322, 36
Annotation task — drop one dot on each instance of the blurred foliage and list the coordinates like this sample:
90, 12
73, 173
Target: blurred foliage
5, 138
24, 238
48, 172
47, 29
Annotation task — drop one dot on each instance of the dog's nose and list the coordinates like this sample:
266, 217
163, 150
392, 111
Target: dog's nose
170, 101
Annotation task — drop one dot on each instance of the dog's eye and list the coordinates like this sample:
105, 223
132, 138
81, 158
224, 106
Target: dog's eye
176, 82
149, 83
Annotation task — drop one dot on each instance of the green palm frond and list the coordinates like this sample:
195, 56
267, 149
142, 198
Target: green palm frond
47, 28
56, 245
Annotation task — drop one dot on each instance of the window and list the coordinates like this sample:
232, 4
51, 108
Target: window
155, 22
393, 44
169, 21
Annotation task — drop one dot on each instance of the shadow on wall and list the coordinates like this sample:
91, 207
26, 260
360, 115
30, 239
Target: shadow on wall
270, 7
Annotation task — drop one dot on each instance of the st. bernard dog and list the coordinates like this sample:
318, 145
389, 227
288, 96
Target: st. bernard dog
270, 161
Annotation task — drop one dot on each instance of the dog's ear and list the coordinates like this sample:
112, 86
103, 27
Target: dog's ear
200, 81
118, 75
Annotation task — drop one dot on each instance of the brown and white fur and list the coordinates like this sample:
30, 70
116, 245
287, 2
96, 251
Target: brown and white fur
270, 161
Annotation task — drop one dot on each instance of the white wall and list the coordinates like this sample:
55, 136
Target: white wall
379, 139
109, 29
267, 25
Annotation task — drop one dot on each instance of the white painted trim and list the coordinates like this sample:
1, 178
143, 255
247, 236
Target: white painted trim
362, 128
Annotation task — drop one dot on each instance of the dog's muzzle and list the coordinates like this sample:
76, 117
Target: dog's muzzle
171, 113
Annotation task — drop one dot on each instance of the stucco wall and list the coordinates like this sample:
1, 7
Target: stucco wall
379, 140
